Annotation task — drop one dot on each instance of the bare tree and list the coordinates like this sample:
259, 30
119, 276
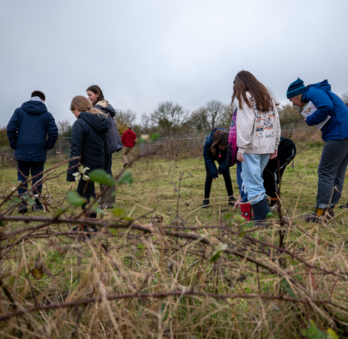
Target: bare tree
64, 127
226, 116
345, 98
198, 120
289, 114
123, 119
169, 117
214, 110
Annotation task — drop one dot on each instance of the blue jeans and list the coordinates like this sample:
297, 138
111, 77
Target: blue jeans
252, 169
35, 167
242, 188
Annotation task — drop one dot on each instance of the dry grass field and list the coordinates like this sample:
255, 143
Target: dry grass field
163, 267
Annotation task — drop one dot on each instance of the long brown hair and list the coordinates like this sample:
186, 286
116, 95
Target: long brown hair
96, 90
246, 82
220, 137
83, 105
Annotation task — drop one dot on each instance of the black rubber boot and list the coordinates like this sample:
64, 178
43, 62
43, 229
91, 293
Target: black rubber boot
259, 212
231, 201
205, 203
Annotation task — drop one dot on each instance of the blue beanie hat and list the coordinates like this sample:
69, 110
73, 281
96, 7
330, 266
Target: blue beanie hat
296, 88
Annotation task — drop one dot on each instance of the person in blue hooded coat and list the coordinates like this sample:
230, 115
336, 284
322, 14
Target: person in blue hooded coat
215, 149
96, 97
334, 157
89, 142
32, 131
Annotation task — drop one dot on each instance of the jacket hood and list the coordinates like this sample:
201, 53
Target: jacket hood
105, 107
34, 107
322, 85
214, 130
98, 122
129, 131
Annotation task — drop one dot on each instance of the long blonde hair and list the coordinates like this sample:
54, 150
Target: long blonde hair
84, 105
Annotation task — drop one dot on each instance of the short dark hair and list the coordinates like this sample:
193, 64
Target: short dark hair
39, 94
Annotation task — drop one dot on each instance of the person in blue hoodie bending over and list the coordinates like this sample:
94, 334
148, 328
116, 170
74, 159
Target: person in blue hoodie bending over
27, 132
334, 157
215, 149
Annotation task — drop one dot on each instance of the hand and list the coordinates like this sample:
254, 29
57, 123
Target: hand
240, 157
217, 176
237, 203
274, 155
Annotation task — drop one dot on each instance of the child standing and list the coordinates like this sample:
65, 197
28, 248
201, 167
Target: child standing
89, 141
258, 135
215, 149
96, 97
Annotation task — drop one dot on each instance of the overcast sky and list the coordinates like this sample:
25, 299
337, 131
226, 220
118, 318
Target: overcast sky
142, 52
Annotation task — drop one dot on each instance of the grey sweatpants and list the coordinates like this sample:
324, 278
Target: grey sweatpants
331, 172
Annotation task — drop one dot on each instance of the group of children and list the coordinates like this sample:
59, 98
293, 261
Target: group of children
261, 154
253, 143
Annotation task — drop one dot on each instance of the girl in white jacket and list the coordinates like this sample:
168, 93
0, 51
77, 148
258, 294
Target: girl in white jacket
258, 136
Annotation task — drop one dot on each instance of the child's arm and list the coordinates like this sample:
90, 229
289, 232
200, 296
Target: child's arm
52, 132
77, 141
12, 130
245, 127
208, 158
107, 164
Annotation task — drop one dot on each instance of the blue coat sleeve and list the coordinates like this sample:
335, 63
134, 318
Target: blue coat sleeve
77, 141
52, 132
322, 102
209, 160
12, 130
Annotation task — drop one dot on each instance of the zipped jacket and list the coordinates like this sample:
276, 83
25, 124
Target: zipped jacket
257, 132
327, 103
90, 142
115, 144
32, 131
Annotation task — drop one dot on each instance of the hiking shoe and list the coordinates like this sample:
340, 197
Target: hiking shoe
125, 164
327, 215
22, 209
344, 206
37, 207
231, 201
205, 203
85, 228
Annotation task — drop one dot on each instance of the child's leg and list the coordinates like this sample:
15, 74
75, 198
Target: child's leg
23, 172
208, 182
86, 189
37, 167
242, 188
228, 183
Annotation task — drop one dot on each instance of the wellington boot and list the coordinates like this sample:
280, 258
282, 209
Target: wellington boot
245, 211
260, 213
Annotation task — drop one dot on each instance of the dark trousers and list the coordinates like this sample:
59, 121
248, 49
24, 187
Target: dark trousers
35, 167
209, 180
87, 190
331, 172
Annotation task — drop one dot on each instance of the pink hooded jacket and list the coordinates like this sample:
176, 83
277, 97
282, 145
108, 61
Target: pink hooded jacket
232, 141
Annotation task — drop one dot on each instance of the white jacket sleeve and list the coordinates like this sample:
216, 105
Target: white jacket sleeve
245, 127
278, 128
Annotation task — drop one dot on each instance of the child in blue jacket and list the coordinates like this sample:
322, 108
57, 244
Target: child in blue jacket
334, 158
32, 131
215, 149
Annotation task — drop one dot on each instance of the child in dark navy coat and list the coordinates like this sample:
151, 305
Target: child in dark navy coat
32, 131
215, 149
